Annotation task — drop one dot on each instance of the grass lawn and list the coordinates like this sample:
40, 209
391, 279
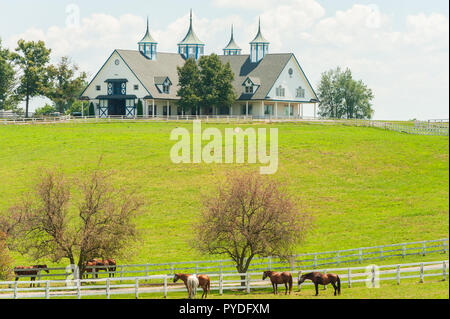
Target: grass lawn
364, 186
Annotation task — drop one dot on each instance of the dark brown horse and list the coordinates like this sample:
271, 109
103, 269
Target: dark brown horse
204, 282
322, 279
90, 268
108, 265
29, 271
278, 279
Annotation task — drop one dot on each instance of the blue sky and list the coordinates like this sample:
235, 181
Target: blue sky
399, 48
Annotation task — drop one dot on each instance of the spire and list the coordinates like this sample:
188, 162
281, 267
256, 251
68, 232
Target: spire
147, 37
191, 37
259, 37
232, 48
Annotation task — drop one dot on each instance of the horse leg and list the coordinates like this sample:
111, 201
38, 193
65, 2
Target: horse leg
317, 289
335, 288
286, 285
273, 286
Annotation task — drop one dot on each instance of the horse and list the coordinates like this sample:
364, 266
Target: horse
322, 279
90, 268
192, 284
29, 271
279, 278
204, 282
112, 266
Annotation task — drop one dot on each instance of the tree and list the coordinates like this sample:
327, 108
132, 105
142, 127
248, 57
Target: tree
139, 108
31, 58
63, 85
189, 82
216, 88
45, 110
5, 259
250, 216
91, 109
8, 100
47, 227
343, 97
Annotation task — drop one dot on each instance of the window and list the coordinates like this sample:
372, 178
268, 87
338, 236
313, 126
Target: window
136, 87
300, 92
166, 88
289, 110
98, 88
280, 91
244, 109
249, 89
268, 109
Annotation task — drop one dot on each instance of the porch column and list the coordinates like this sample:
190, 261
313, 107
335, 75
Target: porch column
82, 108
262, 108
153, 106
246, 108
298, 110
289, 110
276, 110
315, 110
145, 110
231, 110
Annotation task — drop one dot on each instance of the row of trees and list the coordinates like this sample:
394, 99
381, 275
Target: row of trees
249, 215
27, 73
208, 84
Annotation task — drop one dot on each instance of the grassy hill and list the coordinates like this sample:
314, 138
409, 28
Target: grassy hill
364, 186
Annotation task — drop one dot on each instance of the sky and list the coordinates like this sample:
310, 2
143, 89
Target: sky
400, 48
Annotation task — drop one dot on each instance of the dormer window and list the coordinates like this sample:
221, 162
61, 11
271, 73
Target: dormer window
163, 84
300, 92
249, 89
251, 85
166, 88
281, 91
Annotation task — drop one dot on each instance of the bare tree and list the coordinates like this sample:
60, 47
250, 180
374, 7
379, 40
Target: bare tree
5, 259
251, 215
48, 227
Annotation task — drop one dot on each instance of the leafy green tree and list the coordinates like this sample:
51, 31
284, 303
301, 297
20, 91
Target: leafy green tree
32, 59
45, 110
91, 110
75, 107
189, 82
64, 86
216, 88
343, 97
8, 100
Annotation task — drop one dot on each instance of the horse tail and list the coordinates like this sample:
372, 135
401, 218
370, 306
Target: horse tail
339, 284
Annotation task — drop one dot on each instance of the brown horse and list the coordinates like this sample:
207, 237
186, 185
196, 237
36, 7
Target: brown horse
322, 279
90, 268
204, 282
279, 278
29, 271
97, 264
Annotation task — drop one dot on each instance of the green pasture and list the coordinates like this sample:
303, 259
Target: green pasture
364, 186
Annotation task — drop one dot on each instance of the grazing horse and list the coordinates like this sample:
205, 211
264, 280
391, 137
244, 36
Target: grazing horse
29, 271
111, 263
90, 269
322, 279
192, 284
204, 282
279, 278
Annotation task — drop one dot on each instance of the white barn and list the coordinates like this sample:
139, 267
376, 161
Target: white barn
266, 84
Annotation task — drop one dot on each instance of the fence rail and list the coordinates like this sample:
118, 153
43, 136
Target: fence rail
79, 288
294, 263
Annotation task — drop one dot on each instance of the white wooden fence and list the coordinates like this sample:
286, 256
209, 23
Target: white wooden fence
247, 282
294, 263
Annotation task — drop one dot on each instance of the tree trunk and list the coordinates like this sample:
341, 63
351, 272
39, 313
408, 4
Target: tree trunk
27, 102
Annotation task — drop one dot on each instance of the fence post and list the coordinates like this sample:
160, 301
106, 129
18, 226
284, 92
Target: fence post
165, 287
121, 273
404, 251
196, 268
220, 267
424, 248
444, 271
146, 273
337, 258
78, 289
421, 273
445, 246
349, 275
107, 289
269, 263
15, 290
39, 278
136, 288
221, 284
381, 253
315, 261
171, 268
293, 263
398, 274
47, 290
360, 256
248, 283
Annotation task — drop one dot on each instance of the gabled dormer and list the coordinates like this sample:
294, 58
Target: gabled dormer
251, 85
163, 84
